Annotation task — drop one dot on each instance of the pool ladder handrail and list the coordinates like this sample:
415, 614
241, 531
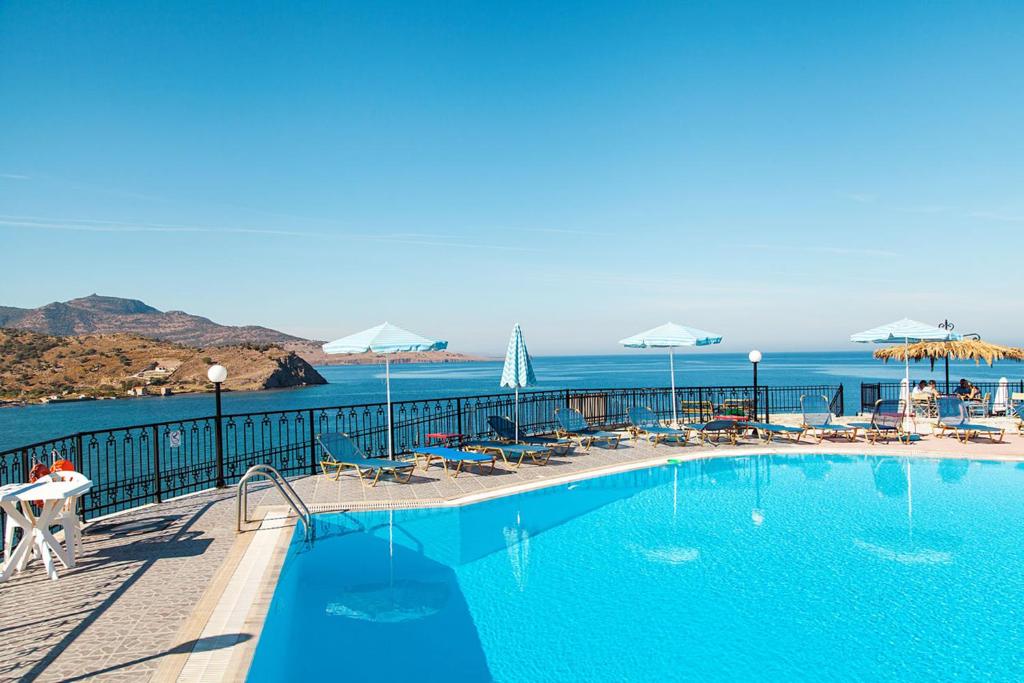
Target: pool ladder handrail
284, 488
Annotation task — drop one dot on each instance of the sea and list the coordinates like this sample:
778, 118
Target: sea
355, 384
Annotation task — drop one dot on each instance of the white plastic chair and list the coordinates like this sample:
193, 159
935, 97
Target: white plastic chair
68, 517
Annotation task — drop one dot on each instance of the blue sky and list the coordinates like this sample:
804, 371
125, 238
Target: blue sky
782, 173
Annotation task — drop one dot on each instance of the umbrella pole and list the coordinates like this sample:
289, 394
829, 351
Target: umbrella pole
672, 376
517, 414
947, 374
907, 410
387, 379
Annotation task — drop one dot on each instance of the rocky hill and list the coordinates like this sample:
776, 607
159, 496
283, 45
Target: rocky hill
96, 314
34, 366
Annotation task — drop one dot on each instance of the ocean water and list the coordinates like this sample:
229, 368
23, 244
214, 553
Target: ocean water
817, 568
365, 384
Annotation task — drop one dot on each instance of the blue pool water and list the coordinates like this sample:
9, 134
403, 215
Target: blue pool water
773, 568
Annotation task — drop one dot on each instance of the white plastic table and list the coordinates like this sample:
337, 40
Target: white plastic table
14, 500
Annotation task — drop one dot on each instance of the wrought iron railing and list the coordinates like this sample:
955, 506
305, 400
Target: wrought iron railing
141, 464
871, 392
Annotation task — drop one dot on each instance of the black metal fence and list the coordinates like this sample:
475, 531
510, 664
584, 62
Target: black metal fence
871, 392
141, 464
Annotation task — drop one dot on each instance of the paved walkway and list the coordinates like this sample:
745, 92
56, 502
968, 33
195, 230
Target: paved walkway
121, 613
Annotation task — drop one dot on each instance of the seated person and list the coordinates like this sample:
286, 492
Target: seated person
920, 392
963, 390
932, 389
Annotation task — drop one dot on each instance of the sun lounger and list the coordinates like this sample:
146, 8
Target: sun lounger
643, 422
953, 418
710, 433
513, 454
340, 451
456, 457
768, 432
886, 422
1018, 412
817, 420
574, 426
505, 429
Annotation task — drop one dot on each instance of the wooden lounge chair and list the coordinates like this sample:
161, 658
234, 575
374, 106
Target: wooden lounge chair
513, 454
644, 422
339, 451
768, 432
505, 430
886, 422
456, 457
710, 433
817, 420
953, 418
572, 425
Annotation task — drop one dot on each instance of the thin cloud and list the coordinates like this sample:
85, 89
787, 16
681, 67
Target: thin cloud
14, 176
810, 249
104, 226
862, 197
995, 216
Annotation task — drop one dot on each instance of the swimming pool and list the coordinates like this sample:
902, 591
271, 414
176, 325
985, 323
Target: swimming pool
753, 568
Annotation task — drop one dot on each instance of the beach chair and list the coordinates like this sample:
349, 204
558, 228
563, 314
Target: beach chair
953, 418
572, 425
767, 432
886, 422
512, 453
817, 420
505, 429
695, 410
1018, 412
340, 451
710, 433
455, 457
643, 422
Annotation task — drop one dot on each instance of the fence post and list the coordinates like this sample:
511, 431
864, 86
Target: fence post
567, 397
841, 402
700, 403
156, 464
79, 464
391, 430
458, 416
767, 393
312, 445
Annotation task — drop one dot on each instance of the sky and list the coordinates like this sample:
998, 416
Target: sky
783, 174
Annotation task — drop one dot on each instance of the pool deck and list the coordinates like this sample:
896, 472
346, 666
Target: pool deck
171, 592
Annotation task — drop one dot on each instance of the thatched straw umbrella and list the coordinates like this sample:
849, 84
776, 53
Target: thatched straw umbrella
964, 349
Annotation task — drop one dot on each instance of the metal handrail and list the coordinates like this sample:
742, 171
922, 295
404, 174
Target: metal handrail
284, 488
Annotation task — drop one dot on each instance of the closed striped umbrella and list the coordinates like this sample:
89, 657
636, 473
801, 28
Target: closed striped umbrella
518, 370
384, 339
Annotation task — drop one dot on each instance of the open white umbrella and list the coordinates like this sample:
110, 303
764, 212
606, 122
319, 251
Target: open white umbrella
384, 339
906, 332
518, 370
669, 336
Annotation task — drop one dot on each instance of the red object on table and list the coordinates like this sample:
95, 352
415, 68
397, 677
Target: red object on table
443, 437
733, 418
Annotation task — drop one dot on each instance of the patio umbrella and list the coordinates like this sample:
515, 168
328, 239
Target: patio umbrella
518, 370
904, 332
1001, 404
957, 349
670, 336
384, 339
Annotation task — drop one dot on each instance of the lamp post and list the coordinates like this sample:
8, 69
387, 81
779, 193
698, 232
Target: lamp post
217, 374
755, 357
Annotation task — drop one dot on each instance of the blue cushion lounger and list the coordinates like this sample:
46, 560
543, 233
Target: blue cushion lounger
340, 451
573, 425
512, 453
818, 422
767, 432
886, 422
505, 429
454, 455
1018, 411
645, 422
953, 418
710, 432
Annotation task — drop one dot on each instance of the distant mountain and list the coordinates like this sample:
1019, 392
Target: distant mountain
96, 314
33, 366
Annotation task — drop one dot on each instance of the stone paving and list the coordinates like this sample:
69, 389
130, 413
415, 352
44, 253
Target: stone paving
120, 613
